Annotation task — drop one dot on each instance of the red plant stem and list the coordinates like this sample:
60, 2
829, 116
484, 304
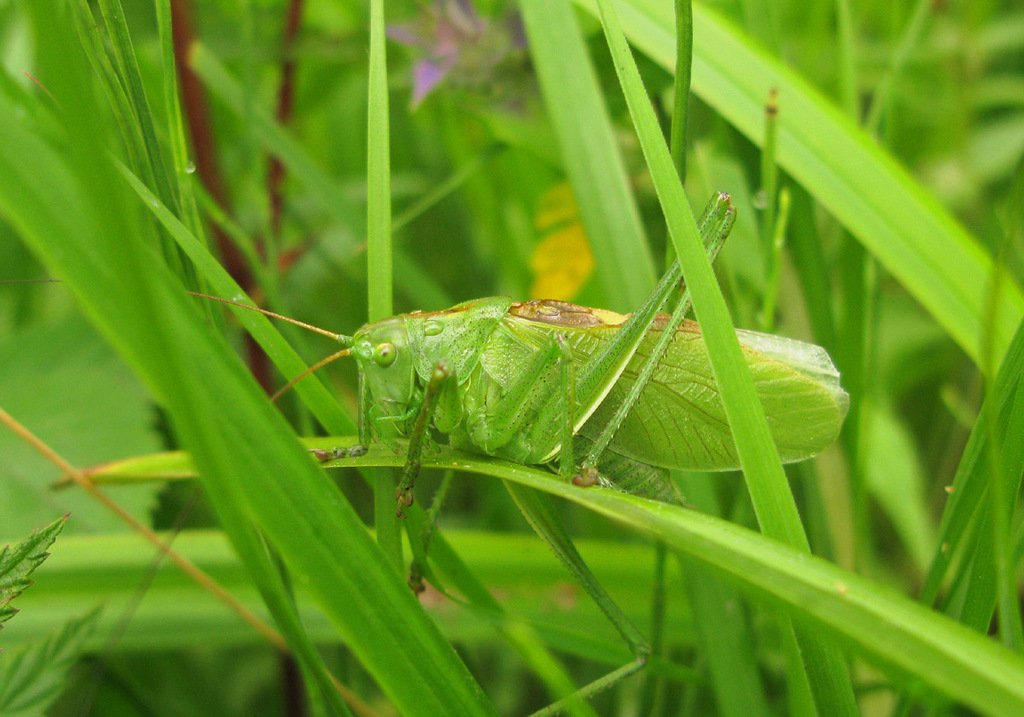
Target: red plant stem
285, 103
197, 114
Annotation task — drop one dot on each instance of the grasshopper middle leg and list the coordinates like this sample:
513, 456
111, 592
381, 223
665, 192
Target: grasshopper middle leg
418, 434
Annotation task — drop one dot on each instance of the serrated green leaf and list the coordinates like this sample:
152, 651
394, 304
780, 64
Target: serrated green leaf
17, 563
33, 676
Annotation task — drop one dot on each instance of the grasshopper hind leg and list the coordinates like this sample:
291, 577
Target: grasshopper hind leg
715, 226
620, 472
567, 372
612, 469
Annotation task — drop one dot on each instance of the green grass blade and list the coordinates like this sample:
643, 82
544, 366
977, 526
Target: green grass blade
523, 638
590, 153
970, 483
858, 182
881, 102
776, 509
255, 554
808, 259
109, 48
766, 481
853, 610
378, 250
128, 70
931, 647
846, 59
252, 467
998, 421
178, 613
244, 450
95, 48
1006, 453
681, 84
541, 516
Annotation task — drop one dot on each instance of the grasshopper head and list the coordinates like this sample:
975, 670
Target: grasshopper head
386, 363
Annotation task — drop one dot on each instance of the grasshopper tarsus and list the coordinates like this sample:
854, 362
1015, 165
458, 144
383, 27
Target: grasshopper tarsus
404, 499
329, 454
324, 454
587, 477
415, 581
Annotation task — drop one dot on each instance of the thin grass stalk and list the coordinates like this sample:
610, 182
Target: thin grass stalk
378, 250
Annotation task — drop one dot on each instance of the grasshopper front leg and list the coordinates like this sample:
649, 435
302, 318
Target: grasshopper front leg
418, 434
365, 429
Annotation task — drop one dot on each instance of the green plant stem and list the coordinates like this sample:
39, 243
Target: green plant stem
882, 99
681, 84
778, 242
846, 59
769, 192
378, 250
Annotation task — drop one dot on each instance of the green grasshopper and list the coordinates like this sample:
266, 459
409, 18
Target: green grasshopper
538, 381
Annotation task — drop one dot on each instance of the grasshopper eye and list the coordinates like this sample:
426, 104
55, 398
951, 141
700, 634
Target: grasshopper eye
384, 354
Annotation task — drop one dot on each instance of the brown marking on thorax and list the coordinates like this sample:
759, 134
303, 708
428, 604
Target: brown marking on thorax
562, 313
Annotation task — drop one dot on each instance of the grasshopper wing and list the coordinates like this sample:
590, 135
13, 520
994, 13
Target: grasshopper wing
679, 420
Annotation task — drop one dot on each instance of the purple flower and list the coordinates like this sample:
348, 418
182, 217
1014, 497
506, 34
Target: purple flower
457, 44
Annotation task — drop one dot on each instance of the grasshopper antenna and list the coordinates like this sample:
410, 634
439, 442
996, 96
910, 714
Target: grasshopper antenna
343, 339
312, 369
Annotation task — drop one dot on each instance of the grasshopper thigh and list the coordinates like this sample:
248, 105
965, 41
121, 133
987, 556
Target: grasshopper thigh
504, 423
